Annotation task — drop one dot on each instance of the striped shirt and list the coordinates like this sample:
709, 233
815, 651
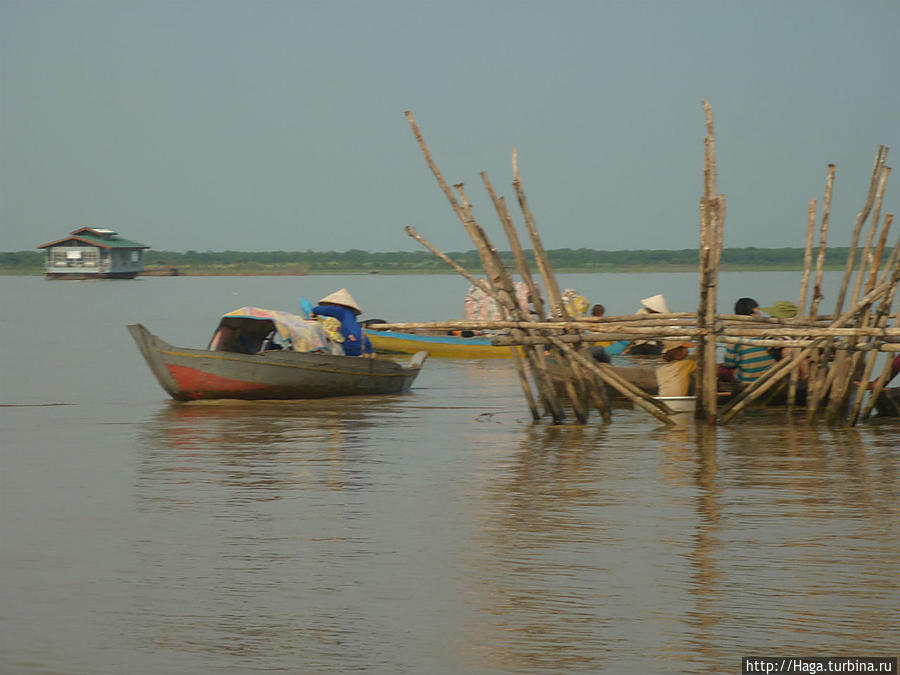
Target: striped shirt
749, 361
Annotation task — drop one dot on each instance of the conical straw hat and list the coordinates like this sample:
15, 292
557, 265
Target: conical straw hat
341, 297
656, 303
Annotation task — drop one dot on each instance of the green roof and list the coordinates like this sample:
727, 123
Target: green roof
114, 241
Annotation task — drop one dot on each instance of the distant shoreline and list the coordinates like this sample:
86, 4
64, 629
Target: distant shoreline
238, 271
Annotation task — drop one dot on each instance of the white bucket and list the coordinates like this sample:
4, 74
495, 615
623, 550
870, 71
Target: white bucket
679, 404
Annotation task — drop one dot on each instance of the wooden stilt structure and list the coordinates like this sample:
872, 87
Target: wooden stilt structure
838, 350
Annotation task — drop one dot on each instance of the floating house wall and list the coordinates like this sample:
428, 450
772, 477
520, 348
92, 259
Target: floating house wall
92, 252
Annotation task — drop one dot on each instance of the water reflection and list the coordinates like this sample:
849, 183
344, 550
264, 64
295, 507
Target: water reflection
256, 446
534, 558
258, 540
773, 534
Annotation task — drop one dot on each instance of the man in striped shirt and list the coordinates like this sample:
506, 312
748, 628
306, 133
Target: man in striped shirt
748, 361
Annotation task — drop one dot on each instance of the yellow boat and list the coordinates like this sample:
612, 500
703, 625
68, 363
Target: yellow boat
447, 346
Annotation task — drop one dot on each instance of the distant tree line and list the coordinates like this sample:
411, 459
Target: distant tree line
318, 262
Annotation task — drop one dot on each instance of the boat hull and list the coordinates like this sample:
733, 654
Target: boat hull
888, 403
197, 374
442, 346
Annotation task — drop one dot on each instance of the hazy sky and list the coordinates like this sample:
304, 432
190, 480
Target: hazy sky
278, 125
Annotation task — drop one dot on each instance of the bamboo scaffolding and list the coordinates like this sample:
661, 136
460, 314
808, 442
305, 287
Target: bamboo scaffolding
880, 319
784, 367
849, 341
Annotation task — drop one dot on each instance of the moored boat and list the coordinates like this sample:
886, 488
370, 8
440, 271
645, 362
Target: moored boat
446, 346
243, 362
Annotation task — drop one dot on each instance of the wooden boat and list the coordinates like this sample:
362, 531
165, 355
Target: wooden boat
194, 374
443, 346
888, 403
446, 346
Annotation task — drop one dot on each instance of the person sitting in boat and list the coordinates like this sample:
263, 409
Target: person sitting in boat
341, 306
597, 311
675, 376
746, 362
655, 304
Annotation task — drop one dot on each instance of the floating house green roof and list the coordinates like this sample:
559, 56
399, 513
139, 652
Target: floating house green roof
94, 252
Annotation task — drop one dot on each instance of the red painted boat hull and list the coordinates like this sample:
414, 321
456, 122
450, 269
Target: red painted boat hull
197, 374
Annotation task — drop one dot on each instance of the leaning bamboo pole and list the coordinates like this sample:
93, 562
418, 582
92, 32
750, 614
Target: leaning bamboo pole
535, 357
880, 319
839, 371
804, 289
515, 244
817, 295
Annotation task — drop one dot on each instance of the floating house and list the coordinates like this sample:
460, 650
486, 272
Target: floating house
93, 253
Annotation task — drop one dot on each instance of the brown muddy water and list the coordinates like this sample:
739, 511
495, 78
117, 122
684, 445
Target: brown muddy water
438, 531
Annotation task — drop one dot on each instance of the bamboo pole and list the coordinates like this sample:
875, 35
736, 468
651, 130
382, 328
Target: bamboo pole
861, 217
553, 294
516, 246
823, 243
849, 363
839, 369
520, 370
813, 378
807, 254
867, 260
535, 357
880, 319
554, 297
804, 288
885, 376
711, 215
879, 251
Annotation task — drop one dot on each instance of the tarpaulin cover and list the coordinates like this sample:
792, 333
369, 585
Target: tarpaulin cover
302, 335
479, 306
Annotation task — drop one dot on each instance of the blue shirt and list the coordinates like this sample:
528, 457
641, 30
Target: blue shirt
355, 341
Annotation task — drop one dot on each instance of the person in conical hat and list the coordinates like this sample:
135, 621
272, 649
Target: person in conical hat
345, 309
655, 304
342, 298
